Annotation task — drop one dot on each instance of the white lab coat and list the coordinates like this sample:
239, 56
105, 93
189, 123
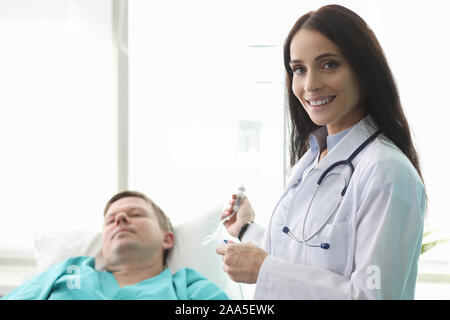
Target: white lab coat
375, 235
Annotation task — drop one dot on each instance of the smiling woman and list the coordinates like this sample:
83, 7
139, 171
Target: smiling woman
368, 78
350, 138
324, 82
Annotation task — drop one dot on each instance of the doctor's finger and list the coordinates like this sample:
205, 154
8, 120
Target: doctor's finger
228, 223
222, 249
227, 212
233, 197
226, 268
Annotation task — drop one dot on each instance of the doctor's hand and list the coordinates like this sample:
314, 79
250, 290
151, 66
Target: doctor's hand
242, 261
243, 215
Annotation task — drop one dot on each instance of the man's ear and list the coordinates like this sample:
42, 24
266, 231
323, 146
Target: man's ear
169, 240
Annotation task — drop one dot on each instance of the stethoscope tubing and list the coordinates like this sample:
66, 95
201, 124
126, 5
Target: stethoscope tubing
347, 162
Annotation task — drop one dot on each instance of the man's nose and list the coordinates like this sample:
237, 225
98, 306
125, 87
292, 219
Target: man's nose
122, 217
312, 82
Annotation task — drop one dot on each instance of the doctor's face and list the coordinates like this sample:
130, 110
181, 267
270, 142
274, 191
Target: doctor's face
131, 229
324, 82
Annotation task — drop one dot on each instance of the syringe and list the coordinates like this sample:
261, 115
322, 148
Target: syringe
217, 234
239, 197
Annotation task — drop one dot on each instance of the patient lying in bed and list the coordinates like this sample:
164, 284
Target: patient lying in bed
136, 238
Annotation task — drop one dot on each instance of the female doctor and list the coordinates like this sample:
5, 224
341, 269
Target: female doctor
349, 223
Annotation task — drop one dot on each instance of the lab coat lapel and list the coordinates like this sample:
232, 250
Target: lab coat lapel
296, 173
349, 143
335, 183
355, 137
298, 169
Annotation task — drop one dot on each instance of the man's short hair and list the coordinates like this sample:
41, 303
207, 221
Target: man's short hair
163, 220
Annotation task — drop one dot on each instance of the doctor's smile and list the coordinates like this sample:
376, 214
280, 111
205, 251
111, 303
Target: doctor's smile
319, 103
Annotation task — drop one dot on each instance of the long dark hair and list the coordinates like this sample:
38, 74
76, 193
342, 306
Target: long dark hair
379, 94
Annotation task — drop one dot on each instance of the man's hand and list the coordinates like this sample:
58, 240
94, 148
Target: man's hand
242, 261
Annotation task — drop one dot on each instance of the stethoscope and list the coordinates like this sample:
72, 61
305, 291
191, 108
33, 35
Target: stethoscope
347, 162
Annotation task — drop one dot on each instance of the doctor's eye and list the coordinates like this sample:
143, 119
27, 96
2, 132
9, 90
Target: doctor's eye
330, 65
298, 69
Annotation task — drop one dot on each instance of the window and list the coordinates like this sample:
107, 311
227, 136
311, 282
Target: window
58, 128
206, 106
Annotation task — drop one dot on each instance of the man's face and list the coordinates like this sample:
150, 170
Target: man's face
131, 231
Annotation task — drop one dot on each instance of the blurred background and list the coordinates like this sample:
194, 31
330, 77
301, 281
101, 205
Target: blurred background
184, 101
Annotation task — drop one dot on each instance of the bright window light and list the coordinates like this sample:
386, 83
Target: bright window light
58, 117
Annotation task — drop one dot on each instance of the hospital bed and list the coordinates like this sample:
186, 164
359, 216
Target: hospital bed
188, 251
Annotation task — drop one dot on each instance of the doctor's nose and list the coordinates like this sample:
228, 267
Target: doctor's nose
312, 82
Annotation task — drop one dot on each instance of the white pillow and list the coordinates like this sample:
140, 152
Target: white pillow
54, 247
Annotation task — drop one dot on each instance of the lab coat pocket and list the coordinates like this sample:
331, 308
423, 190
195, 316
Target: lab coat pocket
335, 258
